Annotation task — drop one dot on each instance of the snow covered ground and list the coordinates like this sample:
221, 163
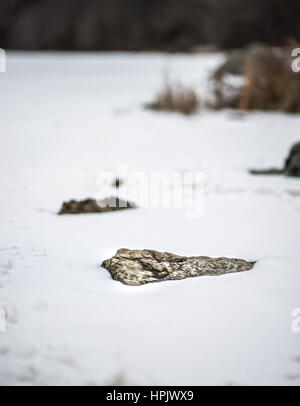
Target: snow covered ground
65, 118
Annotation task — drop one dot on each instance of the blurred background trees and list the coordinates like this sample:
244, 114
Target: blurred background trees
169, 25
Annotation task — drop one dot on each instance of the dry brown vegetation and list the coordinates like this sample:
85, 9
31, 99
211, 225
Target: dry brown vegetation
176, 98
270, 83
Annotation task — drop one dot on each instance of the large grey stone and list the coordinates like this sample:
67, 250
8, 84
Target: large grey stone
137, 267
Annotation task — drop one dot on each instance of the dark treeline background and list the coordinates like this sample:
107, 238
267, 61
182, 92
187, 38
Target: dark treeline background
172, 25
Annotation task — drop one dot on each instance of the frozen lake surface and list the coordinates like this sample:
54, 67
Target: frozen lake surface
65, 118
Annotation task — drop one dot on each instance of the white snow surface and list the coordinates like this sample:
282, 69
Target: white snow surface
65, 118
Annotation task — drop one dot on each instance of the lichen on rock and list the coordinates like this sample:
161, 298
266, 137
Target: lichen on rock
137, 267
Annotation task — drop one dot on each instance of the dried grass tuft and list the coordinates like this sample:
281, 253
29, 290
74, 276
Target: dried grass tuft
176, 98
270, 83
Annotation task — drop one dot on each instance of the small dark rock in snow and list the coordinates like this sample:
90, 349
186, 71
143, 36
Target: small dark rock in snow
291, 166
94, 206
137, 267
292, 163
117, 183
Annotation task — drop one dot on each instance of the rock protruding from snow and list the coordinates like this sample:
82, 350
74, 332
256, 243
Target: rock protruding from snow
291, 166
94, 206
137, 267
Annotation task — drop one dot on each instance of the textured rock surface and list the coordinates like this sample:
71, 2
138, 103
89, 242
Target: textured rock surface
291, 166
137, 267
94, 206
